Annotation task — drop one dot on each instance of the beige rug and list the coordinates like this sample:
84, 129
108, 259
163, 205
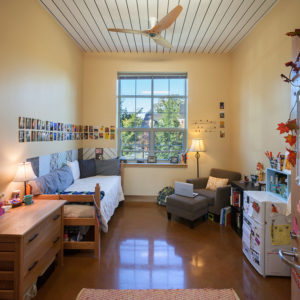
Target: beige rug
187, 294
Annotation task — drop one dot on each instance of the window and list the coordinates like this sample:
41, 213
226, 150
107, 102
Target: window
152, 115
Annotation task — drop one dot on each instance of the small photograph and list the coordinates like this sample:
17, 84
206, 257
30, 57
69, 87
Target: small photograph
21, 136
101, 135
33, 123
55, 126
47, 125
106, 136
96, 128
86, 128
81, 135
96, 135
54, 136
112, 136
99, 153
28, 123
33, 136
91, 129
58, 126
43, 125
21, 122
38, 124
222, 133
51, 136
73, 128
106, 129
43, 136
51, 126
62, 127
222, 115
91, 135
80, 128
39, 136
58, 136
102, 128
222, 124
27, 136
77, 136
222, 106
86, 136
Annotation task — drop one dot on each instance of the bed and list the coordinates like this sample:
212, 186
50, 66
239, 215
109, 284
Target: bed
103, 193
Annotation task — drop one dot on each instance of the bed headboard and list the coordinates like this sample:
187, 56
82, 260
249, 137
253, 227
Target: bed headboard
44, 164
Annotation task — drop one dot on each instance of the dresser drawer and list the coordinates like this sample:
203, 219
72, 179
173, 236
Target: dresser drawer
39, 265
35, 237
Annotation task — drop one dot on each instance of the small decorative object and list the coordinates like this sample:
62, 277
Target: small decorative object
139, 161
15, 203
256, 206
15, 195
163, 195
184, 157
254, 179
260, 171
151, 159
174, 160
197, 146
99, 153
246, 178
28, 199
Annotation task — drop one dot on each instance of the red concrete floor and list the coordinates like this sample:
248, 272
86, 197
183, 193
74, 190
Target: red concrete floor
143, 250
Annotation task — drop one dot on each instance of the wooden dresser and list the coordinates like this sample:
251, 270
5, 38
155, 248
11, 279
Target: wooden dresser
30, 237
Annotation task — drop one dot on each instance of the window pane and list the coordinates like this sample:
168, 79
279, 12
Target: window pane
143, 138
176, 138
161, 86
127, 87
161, 138
177, 86
161, 155
128, 138
128, 154
143, 87
176, 121
160, 105
161, 120
143, 105
142, 155
127, 120
127, 104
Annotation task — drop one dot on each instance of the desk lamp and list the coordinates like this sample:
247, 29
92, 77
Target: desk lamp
24, 173
197, 146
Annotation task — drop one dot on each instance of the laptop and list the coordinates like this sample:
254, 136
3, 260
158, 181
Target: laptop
184, 189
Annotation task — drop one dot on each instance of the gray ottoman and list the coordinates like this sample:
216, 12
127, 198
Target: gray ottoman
188, 208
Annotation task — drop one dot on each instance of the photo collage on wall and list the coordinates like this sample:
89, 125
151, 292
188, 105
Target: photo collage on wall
35, 130
222, 121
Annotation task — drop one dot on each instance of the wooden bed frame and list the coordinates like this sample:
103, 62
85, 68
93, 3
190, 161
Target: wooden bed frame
93, 245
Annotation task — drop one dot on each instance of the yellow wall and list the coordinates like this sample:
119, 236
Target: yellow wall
40, 77
208, 84
260, 99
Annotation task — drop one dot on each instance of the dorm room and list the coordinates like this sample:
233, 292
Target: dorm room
78, 90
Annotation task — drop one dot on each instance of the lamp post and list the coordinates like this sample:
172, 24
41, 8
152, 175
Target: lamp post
197, 146
24, 173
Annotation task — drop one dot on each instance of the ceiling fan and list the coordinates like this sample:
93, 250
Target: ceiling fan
156, 28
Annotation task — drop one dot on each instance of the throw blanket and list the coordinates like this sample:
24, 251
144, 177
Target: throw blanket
187, 294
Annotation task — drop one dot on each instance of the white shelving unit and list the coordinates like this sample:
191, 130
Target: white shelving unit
278, 183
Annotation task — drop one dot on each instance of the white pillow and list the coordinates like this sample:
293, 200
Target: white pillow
74, 166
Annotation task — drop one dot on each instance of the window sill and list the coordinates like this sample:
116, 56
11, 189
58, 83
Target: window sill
155, 165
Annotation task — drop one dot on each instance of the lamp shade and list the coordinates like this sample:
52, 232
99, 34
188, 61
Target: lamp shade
197, 145
24, 172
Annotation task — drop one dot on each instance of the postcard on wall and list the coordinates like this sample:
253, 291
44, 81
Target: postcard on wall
222, 124
222, 105
21, 136
222, 115
86, 128
91, 128
102, 129
80, 128
101, 135
21, 122
107, 129
27, 136
222, 133
43, 125
33, 123
96, 128
51, 126
112, 136
91, 135
38, 124
28, 123
96, 136
99, 153
86, 136
107, 135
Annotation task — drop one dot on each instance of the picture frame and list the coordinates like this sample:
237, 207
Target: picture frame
151, 160
174, 160
222, 115
21, 122
222, 105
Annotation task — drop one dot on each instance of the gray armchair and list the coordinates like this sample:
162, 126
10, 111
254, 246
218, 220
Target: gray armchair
219, 198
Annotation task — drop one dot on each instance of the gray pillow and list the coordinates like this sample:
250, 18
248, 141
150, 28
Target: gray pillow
65, 178
56, 181
108, 167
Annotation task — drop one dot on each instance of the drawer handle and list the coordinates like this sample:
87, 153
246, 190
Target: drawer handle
56, 217
56, 240
33, 238
33, 265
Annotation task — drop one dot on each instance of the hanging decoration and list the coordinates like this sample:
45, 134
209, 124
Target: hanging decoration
290, 126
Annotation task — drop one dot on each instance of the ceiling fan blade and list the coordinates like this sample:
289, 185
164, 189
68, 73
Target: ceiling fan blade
159, 40
167, 20
125, 30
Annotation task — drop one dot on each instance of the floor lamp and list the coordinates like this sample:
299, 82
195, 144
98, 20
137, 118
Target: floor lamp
197, 146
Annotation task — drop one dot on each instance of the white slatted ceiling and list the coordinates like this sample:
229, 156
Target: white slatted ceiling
204, 26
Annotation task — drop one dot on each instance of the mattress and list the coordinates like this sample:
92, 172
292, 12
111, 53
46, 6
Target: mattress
111, 185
